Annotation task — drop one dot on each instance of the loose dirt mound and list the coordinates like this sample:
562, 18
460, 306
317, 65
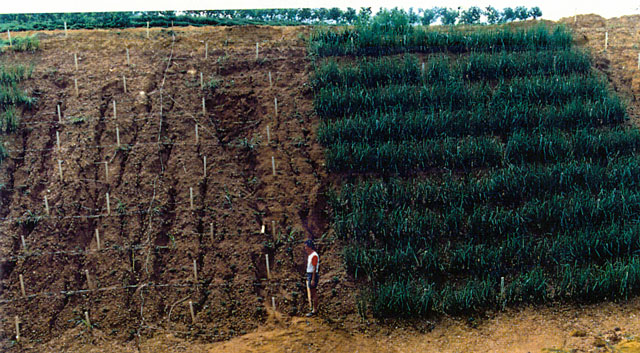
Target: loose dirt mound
141, 280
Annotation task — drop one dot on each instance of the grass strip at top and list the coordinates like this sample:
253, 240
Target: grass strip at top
369, 40
475, 66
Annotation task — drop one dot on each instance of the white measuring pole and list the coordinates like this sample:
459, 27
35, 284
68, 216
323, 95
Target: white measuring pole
65, 29
191, 197
195, 271
273, 165
257, 51
147, 29
206, 49
46, 204
58, 140
606, 40
108, 205
86, 273
204, 166
59, 114
268, 135
75, 83
197, 136
193, 315
124, 83
273, 303
22, 289
275, 101
98, 238
17, 329
115, 114
118, 136
201, 81
266, 256
24, 243
75, 60
270, 81
106, 172
204, 108
86, 317
60, 169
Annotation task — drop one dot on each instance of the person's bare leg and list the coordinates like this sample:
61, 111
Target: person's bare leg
314, 299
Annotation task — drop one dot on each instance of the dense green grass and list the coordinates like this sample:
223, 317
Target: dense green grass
20, 43
506, 161
368, 40
12, 97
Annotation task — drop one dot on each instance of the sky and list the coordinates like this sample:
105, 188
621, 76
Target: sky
551, 9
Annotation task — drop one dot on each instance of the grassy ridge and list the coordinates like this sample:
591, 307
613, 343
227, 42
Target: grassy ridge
368, 40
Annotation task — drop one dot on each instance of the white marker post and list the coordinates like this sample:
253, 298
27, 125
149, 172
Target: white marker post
273, 303
124, 83
206, 50
106, 172
268, 135
257, 51
115, 113
204, 166
128, 58
262, 229
108, 204
86, 273
275, 101
195, 271
204, 108
59, 114
17, 329
270, 81
193, 315
147, 29
22, 289
191, 197
46, 205
197, 136
24, 243
75, 60
98, 238
201, 81
273, 165
65, 29
86, 317
118, 136
606, 40
60, 169
75, 83
58, 140
266, 256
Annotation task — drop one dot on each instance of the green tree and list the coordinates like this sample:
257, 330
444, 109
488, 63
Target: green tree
334, 14
508, 15
522, 13
535, 12
493, 15
429, 16
350, 15
449, 16
471, 15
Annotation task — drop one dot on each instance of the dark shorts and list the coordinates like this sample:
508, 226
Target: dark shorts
315, 283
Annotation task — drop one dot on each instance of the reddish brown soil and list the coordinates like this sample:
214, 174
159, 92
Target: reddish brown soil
149, 184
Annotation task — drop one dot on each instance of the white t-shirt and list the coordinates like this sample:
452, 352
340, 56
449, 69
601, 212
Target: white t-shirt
310, 267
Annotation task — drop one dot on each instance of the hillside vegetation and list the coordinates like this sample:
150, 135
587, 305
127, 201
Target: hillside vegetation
481, 167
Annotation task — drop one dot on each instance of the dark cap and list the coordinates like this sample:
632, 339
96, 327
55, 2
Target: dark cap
310, 244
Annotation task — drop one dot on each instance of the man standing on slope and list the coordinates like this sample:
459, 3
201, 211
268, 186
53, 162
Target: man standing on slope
312, 275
